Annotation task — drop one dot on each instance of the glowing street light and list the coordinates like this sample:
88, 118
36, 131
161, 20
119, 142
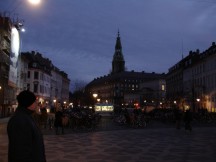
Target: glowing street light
95, 95
23, 30
98, 100
34, 2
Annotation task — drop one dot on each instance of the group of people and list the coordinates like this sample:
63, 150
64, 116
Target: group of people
25, 138
187, 117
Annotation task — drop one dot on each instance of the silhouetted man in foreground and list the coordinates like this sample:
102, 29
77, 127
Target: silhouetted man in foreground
25, 138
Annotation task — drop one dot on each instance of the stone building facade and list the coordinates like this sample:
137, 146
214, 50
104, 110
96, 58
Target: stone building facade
121, 88
191, 83
50, 84
26, 71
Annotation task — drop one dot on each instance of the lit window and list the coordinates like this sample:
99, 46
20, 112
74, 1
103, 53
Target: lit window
163, 87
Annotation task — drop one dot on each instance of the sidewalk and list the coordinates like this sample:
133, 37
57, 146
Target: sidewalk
158, 142
131, 145
3, 125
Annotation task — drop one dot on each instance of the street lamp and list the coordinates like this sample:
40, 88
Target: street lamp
17, 4
65, 104
54, 101
34, 2
95, 95
198, 100
98, 99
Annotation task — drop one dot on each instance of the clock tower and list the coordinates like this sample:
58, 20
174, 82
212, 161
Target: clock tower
118, 63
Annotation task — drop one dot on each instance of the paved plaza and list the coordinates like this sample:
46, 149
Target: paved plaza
151, 144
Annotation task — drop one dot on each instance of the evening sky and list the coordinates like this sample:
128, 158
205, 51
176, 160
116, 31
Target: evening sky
79, 36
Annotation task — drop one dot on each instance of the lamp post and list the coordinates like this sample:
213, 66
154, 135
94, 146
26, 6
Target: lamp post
65, 106
54, 101
95, 95
198, 101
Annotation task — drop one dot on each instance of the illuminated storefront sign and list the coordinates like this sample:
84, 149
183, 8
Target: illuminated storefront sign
15, 47
104, 108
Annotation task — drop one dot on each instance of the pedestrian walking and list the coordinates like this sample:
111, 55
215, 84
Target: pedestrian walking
25, 138
58, 121
43, 116
187, 119
178, 118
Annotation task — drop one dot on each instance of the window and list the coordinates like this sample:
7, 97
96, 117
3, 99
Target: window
28, 86
29, 74
35, 88
34, 65
163, 87
41, 76
41, 89
36, 75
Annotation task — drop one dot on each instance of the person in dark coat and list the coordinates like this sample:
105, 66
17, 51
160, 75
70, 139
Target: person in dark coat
25, 139
187, 119
43, 116
178, 118
58, 121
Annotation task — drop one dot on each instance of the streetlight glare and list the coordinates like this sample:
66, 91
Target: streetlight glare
35, 2
23, 30
95, 95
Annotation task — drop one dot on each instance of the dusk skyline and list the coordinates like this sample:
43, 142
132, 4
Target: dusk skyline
79, 36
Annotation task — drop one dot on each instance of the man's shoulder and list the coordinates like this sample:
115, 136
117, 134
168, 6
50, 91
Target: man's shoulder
19, 117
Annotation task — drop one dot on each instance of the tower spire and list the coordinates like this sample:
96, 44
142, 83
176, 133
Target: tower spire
118, 63
118, 45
